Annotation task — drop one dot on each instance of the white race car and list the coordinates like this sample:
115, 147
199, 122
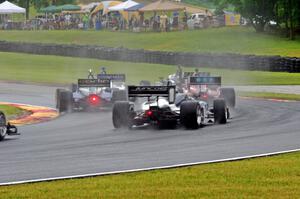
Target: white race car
92, 93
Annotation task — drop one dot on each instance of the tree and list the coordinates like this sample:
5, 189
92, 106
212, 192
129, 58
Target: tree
286, 13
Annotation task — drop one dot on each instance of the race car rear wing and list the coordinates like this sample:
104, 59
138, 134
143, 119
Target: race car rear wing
205, 81
93, 83
199, 74
168, 92
112, 77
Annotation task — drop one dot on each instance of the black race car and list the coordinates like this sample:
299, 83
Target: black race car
6, 128
165, 109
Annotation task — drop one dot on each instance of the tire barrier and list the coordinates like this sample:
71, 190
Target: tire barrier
225, 61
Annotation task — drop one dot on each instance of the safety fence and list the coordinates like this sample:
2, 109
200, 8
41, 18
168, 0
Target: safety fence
225, 61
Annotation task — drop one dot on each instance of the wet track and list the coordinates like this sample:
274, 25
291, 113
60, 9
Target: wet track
82, 143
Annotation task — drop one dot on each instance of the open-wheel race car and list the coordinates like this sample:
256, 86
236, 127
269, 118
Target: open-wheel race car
164, 108
208, 88
92, 93
6, 128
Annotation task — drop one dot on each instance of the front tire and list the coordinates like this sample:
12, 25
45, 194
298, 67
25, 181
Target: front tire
121, 114
191, 115
220, 111
229, 95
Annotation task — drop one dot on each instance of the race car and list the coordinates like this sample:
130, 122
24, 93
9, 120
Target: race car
6, 128
164, 109
180, 78
208, 88
92, 93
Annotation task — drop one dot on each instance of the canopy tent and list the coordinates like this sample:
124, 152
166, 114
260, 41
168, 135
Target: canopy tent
75, 12
56, 9
196, 9
89, 7
104, 5
68, 7
162, 6
123, 6
49, 9
10, 8
134, 8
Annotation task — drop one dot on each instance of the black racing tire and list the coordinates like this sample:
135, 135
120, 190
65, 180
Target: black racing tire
189, 114
119, 95
2, 126
63, 100
220, 111
229, 95
121, 114
57, 94
145, 83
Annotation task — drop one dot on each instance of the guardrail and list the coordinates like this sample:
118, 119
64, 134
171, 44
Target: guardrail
226, 60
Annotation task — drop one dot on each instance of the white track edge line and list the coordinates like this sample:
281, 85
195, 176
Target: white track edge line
149, 168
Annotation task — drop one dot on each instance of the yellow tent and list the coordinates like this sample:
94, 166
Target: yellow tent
104, 5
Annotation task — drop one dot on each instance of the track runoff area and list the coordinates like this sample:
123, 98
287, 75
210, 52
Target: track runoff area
59, 149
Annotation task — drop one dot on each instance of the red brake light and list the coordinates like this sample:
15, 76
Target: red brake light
149, 113
205, 96
94, 100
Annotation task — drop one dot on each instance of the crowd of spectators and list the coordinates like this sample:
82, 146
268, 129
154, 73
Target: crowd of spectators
159, 22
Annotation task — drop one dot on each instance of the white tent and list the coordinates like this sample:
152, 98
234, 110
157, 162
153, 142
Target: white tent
90, 6
123, 6
10, 8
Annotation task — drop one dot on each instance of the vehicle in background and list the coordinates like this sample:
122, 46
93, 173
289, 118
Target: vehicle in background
199, 20
208, 88
6, 128
92, 93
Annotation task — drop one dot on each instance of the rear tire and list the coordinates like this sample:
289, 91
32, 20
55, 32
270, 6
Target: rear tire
121, 114
220, 111
229, 95
63, 100
190, 115
2, 126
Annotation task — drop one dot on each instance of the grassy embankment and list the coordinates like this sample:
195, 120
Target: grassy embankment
217, 40
269, 95
64, 70
270, 177
11, 111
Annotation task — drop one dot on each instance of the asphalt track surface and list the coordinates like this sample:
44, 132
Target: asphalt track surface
83, 143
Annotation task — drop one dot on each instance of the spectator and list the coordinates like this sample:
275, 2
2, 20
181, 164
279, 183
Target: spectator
85, 21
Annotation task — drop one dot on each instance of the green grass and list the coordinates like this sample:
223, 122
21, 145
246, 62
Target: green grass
56, 69
217, 40
11, 111
269, 177
267, 95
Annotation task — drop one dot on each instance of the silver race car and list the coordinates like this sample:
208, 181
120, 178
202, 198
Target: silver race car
92, 93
